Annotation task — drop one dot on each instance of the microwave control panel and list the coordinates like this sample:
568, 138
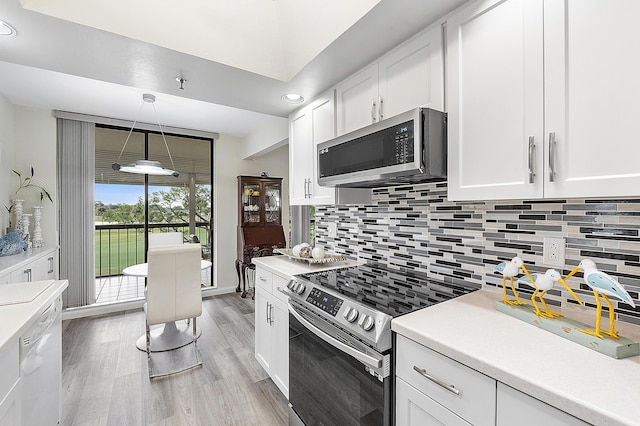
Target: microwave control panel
404, 143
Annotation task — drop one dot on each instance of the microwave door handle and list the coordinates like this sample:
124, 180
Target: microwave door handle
362, 357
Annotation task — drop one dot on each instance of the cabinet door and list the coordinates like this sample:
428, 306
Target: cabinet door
517, 408
5, 279
300, 157
357, 100
280, 346
44, 268
413, 408
263, 329
592, 92
495, 100
412, 76
323, 128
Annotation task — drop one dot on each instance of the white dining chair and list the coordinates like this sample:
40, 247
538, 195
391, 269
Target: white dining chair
165, 238
173, 293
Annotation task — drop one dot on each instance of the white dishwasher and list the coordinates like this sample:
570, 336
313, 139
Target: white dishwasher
41, 368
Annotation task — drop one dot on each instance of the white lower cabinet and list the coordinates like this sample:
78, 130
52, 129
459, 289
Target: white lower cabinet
272, 328
517, 408
37, 265
446, 388
432, 389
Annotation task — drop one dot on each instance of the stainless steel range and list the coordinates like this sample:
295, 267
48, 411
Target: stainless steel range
341, 344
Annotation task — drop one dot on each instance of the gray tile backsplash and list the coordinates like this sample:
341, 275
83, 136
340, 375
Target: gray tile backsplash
417, 227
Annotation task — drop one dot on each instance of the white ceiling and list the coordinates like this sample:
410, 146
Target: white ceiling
54, 63
273, 38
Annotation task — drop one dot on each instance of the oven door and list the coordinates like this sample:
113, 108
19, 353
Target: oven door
329, 383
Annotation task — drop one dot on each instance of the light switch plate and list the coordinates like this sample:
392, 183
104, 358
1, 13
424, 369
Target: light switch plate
553, 252
332, 229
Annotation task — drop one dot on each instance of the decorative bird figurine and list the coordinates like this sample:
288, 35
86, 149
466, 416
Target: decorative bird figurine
510, 270
602, 285
543, 283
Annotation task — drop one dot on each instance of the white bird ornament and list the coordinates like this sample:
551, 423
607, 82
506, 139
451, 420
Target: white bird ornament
602, 285
542, 283
510, 270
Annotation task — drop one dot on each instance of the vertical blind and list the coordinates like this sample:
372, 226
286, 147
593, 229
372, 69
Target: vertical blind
76, 175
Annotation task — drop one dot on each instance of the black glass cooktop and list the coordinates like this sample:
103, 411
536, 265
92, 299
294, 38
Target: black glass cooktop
393, 292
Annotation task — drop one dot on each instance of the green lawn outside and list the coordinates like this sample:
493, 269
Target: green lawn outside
118, 248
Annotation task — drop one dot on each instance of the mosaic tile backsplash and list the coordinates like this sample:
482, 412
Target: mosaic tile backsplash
417, 227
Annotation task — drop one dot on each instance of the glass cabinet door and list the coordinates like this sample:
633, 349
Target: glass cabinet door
272, 204
251, 203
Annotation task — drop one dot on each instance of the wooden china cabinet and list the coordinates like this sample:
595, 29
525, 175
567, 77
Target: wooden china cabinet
259, 222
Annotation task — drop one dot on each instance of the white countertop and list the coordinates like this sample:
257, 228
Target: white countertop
591, 386
15, 319
284, 265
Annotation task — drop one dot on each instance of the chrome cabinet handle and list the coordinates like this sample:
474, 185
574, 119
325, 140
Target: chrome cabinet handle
28, 274
532, 145
271, 314
50, 265
268, 313
380, 109
552, 154
373, 110
438, 382
263, 279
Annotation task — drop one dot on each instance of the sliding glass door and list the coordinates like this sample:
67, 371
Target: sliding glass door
130, 206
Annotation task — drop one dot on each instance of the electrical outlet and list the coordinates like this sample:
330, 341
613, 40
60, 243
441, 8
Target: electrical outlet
553, 252
332, 229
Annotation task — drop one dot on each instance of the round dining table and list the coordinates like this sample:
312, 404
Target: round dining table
171, 335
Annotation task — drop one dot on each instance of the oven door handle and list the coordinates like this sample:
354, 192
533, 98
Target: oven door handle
362, 357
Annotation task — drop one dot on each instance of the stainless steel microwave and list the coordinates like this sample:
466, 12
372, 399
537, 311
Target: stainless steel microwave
408, 148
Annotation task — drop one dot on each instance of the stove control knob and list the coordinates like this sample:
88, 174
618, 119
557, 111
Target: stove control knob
300, 288
350, 314
366, 322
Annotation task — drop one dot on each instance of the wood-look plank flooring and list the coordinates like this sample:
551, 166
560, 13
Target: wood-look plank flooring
105, 379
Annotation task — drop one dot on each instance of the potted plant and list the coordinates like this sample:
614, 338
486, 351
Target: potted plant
28, 182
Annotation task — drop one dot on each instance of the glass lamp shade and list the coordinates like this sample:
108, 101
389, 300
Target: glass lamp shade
145, 167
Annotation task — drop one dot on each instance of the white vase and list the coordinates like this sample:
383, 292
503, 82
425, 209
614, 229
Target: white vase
37, 229
17, 208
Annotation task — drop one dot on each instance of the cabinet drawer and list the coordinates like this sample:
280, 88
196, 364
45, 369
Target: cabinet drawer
476, 398
280, 283
264, 279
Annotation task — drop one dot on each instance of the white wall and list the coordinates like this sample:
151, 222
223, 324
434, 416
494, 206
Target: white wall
35, 145
272, 135
6, 160
227, 166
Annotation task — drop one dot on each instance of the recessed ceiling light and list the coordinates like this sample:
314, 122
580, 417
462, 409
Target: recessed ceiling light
293, 98
6, 29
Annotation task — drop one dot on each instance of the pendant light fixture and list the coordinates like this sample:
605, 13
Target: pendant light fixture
146, 167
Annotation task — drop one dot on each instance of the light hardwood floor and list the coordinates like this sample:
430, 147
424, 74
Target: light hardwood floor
105, 381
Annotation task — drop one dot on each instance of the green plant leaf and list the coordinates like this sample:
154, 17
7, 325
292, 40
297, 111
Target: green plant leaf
32, 171
19, 175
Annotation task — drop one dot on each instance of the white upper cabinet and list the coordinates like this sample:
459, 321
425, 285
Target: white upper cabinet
495, 100
542, 99
407, 77
310, 126
592, 97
